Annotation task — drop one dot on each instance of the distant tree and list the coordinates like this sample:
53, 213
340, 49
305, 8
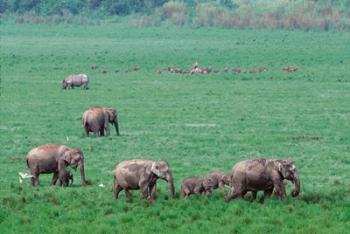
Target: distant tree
229, 4
21, 6
93, 4
4, 6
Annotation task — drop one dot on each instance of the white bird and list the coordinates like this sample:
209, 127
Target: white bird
101, 185
23, 175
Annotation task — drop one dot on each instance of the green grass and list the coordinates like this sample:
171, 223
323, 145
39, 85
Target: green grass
197, 123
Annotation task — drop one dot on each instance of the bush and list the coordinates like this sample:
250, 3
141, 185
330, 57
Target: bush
175, 12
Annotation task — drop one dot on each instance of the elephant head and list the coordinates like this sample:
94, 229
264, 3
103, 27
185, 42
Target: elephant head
208, 184
113, 119
161, 169
288, 171
226, 180
64, 84
75, 159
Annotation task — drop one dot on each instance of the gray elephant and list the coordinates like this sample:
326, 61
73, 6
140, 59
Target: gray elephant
67, 179
196, 185
141, 174
220, 179
97, 120
78, 80
52, 158
263, 175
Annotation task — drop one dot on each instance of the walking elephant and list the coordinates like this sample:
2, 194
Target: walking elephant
263, 175
78, 80
97, 120
141, 174
52, 158
197, 185
67, 179
220, 179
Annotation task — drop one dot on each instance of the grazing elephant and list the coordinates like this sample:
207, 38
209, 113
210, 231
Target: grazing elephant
97, 120
220, 179
263, 174
52, 158
75, 81
141, 174
196, 185
67, 177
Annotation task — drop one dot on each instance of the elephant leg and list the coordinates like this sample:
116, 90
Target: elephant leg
237, 193
86, 130
231, 196
128, 195
253, 198
102, 133
116, 190
145, 192
198, 190
97, 133
185, 192
54, 178
145, 188
154, 192
36, 180
33, 179
267, 193
280, 189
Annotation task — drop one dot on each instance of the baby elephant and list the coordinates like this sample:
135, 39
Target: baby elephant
220, 179
196, 185
66, 178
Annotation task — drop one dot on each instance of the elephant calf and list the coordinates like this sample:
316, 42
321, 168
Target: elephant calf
196, 185
67, 179
97, 119
263, 175
220, 179
141, 174
52, 158
75, 81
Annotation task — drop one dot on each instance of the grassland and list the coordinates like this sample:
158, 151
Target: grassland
197, 123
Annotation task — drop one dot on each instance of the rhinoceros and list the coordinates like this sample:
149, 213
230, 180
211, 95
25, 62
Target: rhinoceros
78, 80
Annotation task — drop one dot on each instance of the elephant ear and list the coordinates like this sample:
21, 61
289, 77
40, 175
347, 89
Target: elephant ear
281, 168
111, 114
155, 168
64, 160
67, 156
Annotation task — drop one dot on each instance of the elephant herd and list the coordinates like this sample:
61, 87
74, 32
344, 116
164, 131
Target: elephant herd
261, 174
255, 175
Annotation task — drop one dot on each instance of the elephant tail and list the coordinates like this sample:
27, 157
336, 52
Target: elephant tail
84, 120
27, 163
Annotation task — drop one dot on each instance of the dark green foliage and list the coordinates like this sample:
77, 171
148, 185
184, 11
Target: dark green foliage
112, 7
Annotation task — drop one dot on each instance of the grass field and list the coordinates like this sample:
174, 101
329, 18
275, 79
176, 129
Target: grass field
197, 123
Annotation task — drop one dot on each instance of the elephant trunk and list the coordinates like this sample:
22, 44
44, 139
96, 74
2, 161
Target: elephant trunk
170, 180
82, 173
116, 125
296, 182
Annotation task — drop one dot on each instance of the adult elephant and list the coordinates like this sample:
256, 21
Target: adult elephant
141, 174
54, 158
263, 175
97, 120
